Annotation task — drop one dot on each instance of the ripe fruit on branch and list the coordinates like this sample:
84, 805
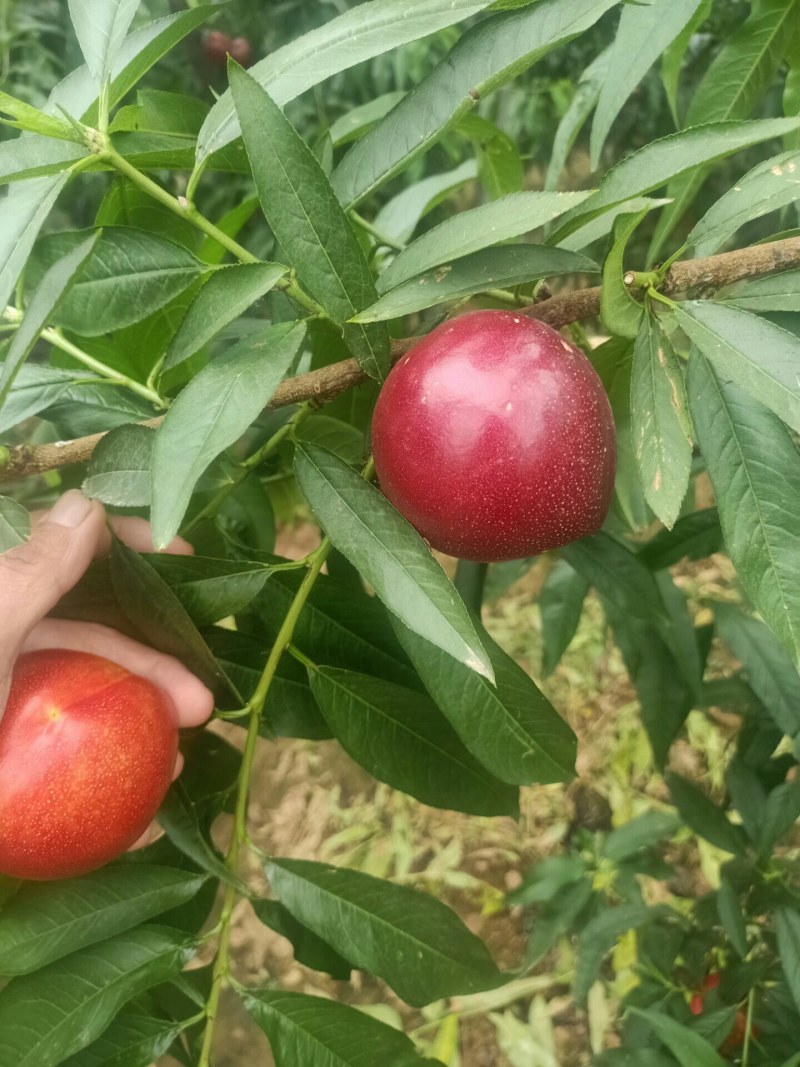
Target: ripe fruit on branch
218, 46
241, 51
87, 752
495, 439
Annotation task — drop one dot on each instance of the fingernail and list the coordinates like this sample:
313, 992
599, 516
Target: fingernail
70, 510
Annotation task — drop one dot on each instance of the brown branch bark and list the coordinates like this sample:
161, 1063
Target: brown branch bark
711, 272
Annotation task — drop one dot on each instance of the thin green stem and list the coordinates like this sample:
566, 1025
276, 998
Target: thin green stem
382, 238
239, 836
748, 1028
58, 340
654, 294
302, 658
248, 466
102, 109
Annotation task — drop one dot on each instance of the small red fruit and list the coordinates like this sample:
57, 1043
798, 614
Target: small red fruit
217, 46
495, 439
87, 753
242, 51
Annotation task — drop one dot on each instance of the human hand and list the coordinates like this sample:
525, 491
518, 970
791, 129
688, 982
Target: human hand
35, 575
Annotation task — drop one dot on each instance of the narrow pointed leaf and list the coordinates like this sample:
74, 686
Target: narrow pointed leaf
510, 727
694, 536
688, 1048
25, 208
597, 939
775, 292
227, 294
389, 553
365, 31
53, 919
644, 33
759, 357
674, 55
491, 268
580, 108
46, 1016
704, 817
211, 589
130, 275
132, 1040
788, 929
488, 55
309, 949
620, 311
617, 574
210, 414
179, 819
753, 465
768, 187
402, 738
52, 289
651, 167
100, 29
470, 231
307, 220
410, 939
400, 216
659, 414
308, 1031
561, 603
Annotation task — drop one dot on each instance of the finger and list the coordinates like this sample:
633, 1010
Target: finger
194, 703
136, 533
35, 575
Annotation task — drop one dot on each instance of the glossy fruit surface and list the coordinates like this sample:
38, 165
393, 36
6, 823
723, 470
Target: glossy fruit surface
87, 753
217, 46
495, 439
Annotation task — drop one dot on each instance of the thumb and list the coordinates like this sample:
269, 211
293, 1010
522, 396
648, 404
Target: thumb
35, 575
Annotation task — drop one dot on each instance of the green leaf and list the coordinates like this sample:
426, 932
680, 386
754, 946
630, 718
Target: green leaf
211, 413
771, 674
730, 915
211, 589
595, 229
580, 108
344, 440
688, 1048
643, 832
410, 939
400, 216
401, 738
617, 574
162, 112
366, 31
694, 536
704, 817
753, 465
561, 604
510, 727
768, 187
597, 939
132, 1040
488, 55
645, 31
25, 209
659, 417
130, 275
781, 813
389, 553
732, 87
787, 924
101, 29
49, 294
152, 607
179, 819
754, 354
651, 167
500, 169
307, 221
15, 524
227, 294
308, 1031
52, 919
502, 267
309, 949
473, 230
25, 117
621, 313
356, 121
46, 1016
675, 54
119, 470
774, 292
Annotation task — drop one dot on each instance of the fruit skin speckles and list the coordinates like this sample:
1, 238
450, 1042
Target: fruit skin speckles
495, 438
79, 787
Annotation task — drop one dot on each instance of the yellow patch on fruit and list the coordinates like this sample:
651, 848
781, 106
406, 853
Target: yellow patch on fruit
52, 712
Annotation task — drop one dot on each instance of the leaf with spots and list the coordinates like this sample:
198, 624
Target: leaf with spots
410, 939
660, 421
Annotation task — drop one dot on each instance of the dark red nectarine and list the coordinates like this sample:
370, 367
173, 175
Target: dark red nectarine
87, 753
495, 439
